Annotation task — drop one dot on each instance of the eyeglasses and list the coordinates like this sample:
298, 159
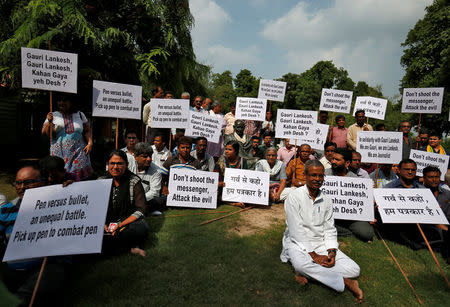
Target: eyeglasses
27, 182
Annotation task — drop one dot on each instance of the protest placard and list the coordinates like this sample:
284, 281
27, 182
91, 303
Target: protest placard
205, 125
424, 159
294, 124
169, 113
316, 138
336, 100
422, 100
53, 220
272, 90
49, 70
379, 146
408, 206
373, 107
192, 189
352, 198
116, 100
251, 108
246, 186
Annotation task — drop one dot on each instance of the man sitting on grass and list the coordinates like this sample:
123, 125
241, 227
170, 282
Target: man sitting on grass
310, 240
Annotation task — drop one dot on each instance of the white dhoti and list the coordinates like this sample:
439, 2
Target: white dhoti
332, 277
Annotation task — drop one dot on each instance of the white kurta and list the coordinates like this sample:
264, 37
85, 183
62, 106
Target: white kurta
310, 227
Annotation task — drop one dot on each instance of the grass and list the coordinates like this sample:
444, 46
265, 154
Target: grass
194, 265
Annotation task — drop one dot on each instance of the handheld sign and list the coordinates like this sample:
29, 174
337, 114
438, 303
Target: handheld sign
272, 90
192, 189
251, 108
379, 147
53, 221
424, 159
422, 100
49, 70
116, 100
316, 138
409, 206
294, 124
205, 125
336, 100
352, 198
169, 113
373, 107
246, 186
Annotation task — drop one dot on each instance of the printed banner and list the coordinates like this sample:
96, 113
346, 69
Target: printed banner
192, 189
422, 100
251, 108
352, 198
246, 186
424, 159
53, 221
169, 113
379, 146
408, 206
49, 70
272, 90
205, 125
336, 101
294, 124
373, 107
116, 100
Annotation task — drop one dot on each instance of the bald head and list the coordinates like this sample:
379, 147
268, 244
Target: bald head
27, 177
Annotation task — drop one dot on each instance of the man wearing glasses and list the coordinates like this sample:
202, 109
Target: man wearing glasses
197, 105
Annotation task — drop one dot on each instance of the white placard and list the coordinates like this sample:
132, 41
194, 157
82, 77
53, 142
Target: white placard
169, 113
246, 186
251, 108
408, 206
192, 189
352, 198
316, 138
49, 70
422, 100
116, 100
53, 221
294, 124
379, 146
373, 107
336, 100
272, 90
205, 125
424, 159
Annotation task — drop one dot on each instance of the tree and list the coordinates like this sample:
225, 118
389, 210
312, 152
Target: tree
426, 59
222, 88
246, 85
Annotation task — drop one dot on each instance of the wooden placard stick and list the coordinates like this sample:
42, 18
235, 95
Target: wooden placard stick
170, 140
432, 254
399, 267
117, 133
376, 177
36, 287
330, 131
418, 129
226, 215
295, 159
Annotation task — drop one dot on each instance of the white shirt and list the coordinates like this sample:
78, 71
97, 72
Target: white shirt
159, 157
151, 181
309, 224
326, 164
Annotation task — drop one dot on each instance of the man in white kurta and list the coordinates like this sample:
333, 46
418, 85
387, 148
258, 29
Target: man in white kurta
310, 240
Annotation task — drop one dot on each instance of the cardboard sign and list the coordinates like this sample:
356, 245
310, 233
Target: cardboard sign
379, 146
316, 138
169, 113
192, 189
116, 100
352, 198
49, 70
294, 124
422, 100
373, 107
246, 186
424, 159
336, 100
202, 124
272, 90
53, 221
251, 108
409, 206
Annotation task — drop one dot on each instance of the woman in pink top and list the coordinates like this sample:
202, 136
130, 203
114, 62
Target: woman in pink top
339, 133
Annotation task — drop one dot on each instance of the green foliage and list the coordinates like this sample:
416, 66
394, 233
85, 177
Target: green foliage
246, 85
222, 88
426, 59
